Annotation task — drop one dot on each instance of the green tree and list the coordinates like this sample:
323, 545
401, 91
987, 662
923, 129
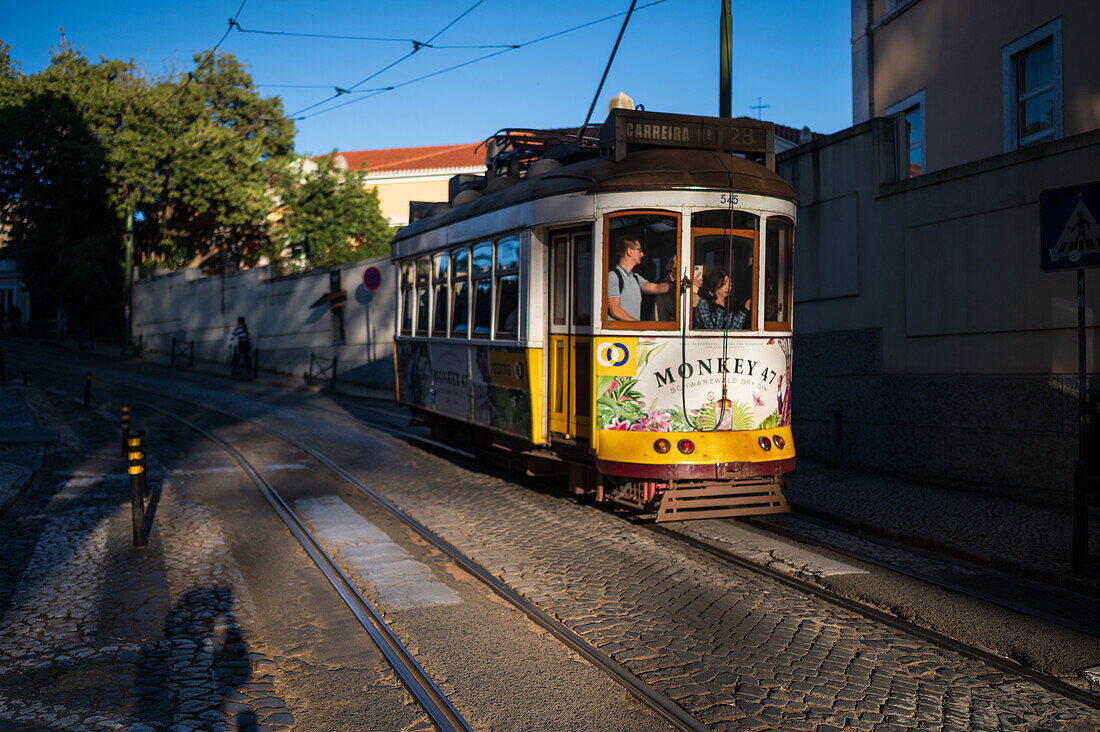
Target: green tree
84, 145
328, 217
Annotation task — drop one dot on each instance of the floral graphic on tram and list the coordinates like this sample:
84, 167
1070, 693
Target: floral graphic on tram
653, 399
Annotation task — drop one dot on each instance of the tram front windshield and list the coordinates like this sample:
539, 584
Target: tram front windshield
642, 266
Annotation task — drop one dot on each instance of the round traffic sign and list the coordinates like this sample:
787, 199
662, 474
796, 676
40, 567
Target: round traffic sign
372, 278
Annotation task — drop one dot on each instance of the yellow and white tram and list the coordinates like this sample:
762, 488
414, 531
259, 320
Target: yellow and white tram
506, 332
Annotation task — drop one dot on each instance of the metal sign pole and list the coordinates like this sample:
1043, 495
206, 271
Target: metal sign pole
1079, 547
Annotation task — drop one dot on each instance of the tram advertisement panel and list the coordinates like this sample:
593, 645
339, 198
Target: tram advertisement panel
480, 384
644, 384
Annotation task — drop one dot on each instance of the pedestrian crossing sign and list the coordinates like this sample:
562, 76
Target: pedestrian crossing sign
1069, 230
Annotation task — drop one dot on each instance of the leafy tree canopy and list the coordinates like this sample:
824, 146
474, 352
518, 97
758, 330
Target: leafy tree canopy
201, 156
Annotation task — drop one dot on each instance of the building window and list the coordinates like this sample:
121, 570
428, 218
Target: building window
1032, 69
909, 113
338, 334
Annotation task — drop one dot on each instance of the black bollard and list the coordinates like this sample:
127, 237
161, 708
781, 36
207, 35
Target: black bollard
136, 465
24, 377
3, 365
87, 390
125, 426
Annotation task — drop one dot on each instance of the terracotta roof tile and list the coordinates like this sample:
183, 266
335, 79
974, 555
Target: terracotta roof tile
441, 157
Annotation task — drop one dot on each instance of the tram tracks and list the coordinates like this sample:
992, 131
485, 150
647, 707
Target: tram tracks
1044, 680
419, 683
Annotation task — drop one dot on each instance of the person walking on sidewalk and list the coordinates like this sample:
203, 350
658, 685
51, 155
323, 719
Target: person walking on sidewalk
242, 346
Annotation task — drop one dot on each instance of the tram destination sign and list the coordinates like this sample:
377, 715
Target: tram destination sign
1069, 232
628, 129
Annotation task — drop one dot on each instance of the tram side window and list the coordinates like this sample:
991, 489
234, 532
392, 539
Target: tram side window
582, 280
406, 298
439, 293
423, 268
777, 273
723, 249
460, 308
642, 267
507, 288
481, 273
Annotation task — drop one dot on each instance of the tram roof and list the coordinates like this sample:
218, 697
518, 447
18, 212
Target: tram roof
657, 169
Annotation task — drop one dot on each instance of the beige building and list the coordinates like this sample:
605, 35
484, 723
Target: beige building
410, 174
928, 340
968, 79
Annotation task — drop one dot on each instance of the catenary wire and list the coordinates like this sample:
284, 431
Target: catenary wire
485, 57
416, 47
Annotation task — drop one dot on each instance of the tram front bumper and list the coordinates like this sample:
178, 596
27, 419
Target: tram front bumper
718, 455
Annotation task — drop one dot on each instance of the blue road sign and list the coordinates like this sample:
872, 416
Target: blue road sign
1068, 231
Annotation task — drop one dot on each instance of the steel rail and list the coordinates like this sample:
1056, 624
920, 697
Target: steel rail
653, 699
1051, 683
434, 702
1044, 680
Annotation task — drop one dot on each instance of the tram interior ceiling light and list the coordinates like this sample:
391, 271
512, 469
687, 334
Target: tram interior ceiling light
779, 441
686, 446
662, 445
765, 443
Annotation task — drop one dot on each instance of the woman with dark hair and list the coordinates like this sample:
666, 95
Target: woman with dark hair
712, 312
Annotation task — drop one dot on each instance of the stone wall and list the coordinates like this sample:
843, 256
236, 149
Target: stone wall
927, 339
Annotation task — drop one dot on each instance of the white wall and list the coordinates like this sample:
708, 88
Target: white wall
285, 329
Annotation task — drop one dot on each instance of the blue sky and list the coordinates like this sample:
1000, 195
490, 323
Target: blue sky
795, 55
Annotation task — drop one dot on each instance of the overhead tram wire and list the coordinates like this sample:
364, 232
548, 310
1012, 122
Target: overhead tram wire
614, 50
416, 47
375, 39
232, 22
487, 56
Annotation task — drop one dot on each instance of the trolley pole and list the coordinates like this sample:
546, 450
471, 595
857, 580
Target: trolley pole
136, 467
725, 62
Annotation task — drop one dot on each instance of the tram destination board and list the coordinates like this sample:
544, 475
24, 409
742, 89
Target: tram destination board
1069, 232
633, 129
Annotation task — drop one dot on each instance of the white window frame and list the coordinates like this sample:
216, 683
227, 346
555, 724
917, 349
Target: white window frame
898, 109
1010, 54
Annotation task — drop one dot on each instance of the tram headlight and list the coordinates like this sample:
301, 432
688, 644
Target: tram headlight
662, 445
765, 443
779, 441
686, 446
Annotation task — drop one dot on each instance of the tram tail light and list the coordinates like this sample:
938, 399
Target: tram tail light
779, 441
686, 446
765, 443
662, 445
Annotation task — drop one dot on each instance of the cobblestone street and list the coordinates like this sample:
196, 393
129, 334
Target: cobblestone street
97, 635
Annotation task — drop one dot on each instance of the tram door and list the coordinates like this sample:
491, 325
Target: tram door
570, 328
